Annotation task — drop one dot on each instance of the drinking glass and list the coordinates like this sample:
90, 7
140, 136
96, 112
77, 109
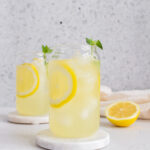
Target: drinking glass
74, 91
31, 85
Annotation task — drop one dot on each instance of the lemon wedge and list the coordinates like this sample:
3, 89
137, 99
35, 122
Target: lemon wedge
123, 114
27, 80
62, 83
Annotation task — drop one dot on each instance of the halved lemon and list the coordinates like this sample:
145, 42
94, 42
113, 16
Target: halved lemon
27, 80
123, 114
62, 83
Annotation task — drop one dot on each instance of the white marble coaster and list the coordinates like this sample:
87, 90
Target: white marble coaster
14, 117
46, 140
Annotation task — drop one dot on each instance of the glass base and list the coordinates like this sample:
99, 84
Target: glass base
14, 117
47, 140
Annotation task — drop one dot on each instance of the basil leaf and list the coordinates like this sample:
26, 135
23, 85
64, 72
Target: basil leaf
99, 44
89, 41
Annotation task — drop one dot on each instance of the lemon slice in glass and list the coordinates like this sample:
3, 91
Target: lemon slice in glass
62, 83
123, 113
27, 80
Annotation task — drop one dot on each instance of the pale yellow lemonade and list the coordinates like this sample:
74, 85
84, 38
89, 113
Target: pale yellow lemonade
32, 88
74, 91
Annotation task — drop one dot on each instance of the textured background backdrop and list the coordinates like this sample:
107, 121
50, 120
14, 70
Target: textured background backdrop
123, 26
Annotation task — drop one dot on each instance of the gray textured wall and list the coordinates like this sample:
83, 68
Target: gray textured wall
123, 26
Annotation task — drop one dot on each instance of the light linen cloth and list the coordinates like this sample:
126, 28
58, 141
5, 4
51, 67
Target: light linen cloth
141, 97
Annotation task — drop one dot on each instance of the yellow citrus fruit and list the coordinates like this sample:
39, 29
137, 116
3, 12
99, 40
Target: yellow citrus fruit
123, 113
62, 83
27, 80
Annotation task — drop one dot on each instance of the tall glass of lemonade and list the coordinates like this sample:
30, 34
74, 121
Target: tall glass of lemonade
31, 85
74, 92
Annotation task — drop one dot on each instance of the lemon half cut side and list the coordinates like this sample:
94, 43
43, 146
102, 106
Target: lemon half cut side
123, 113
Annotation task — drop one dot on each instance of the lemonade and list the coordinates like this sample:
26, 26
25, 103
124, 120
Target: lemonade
74, 91
31, 88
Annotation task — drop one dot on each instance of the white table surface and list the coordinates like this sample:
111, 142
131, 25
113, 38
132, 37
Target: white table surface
22, 137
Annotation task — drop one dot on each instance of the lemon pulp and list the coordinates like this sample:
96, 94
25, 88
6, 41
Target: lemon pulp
27, 80
123, 113
63, 84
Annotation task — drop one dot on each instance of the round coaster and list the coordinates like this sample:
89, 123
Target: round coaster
47, 140
14, 117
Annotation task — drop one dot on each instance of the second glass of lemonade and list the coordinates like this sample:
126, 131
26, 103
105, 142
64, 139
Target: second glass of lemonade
31, 85
74, 91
